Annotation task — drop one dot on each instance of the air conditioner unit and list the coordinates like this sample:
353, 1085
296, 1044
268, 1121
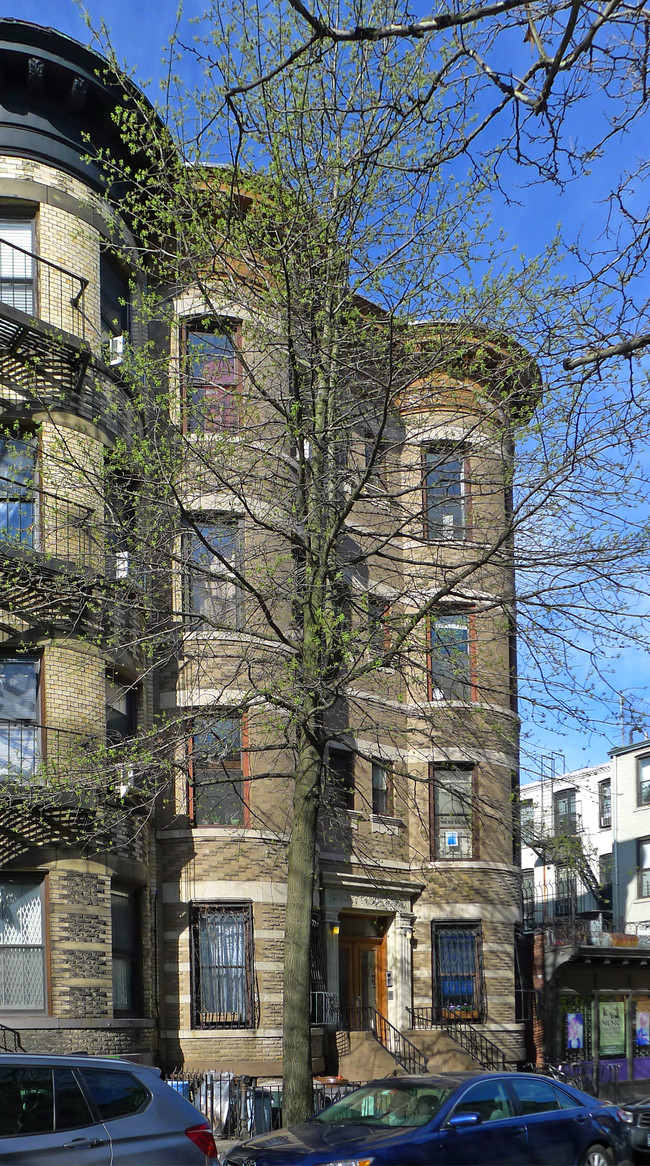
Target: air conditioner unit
127, 782
116, 350
121, 564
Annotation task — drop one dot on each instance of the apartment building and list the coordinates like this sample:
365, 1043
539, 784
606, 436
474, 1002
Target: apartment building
76, 881
586, 910
172, 947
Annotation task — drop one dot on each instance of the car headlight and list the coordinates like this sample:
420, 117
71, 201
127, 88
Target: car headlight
626, 1116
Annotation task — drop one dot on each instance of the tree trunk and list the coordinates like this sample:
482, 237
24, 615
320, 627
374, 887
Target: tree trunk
298, 1101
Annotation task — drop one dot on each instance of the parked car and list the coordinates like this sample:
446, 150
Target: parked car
94, 1111
452, 1119
639, 1119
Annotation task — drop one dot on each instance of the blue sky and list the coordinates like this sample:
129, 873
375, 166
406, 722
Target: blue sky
139, 31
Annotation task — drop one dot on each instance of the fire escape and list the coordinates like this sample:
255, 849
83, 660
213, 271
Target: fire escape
57, 577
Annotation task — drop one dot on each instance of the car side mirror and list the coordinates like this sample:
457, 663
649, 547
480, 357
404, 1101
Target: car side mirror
464, 1119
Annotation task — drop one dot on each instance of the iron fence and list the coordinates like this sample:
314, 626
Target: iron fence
239, 1107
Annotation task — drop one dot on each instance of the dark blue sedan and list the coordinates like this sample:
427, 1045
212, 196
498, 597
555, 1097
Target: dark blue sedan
452, 1119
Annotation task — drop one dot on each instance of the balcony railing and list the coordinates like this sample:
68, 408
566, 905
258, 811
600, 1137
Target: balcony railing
596, 932
46, 523
32, 753
43, 289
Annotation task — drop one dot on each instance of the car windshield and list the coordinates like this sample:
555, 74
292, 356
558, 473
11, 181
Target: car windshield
389, 1105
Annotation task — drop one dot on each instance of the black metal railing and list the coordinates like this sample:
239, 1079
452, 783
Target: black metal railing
42, 289
41, 521
237, 1107
31, 752
10, 1041
471, 1040
324, 1008
363, 1018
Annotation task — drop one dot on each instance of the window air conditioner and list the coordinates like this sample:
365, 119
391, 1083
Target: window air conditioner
127, 782
116, 350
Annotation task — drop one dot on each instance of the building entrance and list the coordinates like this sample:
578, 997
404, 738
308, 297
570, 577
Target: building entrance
362, 969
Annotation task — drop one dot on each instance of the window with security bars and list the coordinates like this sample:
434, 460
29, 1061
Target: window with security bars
457, 975
17, 264
17, 500
19, 715
452, 826
449, 663
22, 975
210, 377
643, 782
576, 1027
444, 504
222, 965
212, 551
217, 793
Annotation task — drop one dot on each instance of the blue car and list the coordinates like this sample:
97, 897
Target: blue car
452, 1119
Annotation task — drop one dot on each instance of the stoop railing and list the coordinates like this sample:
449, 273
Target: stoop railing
480, 1048
363, 1018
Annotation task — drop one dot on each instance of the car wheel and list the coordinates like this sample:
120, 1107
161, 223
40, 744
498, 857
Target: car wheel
597, 1156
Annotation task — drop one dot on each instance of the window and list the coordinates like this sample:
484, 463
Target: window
643, 864
490, 1099
382, 791
211, 378
126, 933
115, 299
378, 630
216, 773
22, 979
527, 820
443, 476
116, 1092
17, 470
605, 876
452, 826
121, 710
211, 590
605, 804
449, 657
564, 809
535, 1095
643, 782
222, 966
340, 765
17, 264
19, 715
528, 897
565, 892
457, 972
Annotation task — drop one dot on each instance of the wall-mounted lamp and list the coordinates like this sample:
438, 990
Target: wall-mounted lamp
408, 933
334, 928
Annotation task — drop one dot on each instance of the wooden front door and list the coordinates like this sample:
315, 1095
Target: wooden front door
362, 975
